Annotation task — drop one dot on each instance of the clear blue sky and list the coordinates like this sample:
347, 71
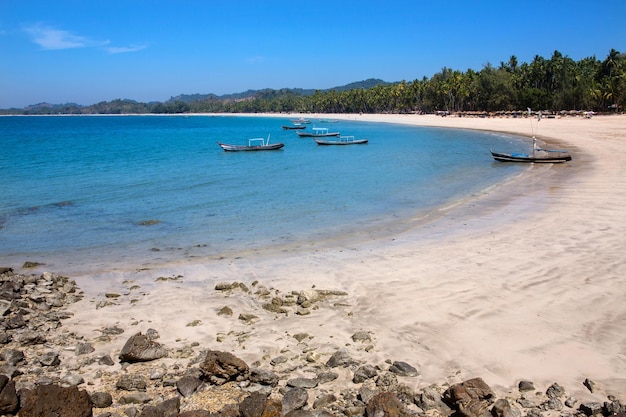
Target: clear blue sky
84, 52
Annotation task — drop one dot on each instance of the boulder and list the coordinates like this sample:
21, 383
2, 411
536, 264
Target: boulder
53, 400
8, 396
139, 348
471, 398
385, 404
221, 367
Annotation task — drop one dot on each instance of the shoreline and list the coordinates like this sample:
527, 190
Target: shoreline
526, 281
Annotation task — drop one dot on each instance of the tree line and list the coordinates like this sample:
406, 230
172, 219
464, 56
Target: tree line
554, 84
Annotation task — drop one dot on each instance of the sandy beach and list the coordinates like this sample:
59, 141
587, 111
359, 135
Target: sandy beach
525, 281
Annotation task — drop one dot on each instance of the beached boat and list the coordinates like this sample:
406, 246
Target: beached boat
538, 155
294, 127
254, 144
318, 132
341, 140
548, 156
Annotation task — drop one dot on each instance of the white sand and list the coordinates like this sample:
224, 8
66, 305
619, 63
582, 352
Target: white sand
527, 281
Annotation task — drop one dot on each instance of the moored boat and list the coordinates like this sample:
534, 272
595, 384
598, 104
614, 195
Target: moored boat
254, 144
318, 132
342, 140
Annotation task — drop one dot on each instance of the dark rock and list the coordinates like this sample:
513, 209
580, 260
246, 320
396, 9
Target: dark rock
263, 377
589, 384
253, 405
225, 311
470, 398
53, 400
302, 382
614, 407
139, 348
430, 399
361, 337
553, 404
385, 404
403, 369
555, 391
9, 401
129, 382
502, 408
325, 377
363, 373
167, 408
49, 359
84, 348
221, 367
294, 399
101, 399
591, 408
571, 402
340, 358
135, 398
106, 360
187, 385
12, 356
526, 386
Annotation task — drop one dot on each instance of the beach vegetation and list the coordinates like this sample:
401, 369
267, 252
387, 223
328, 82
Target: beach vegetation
551, 84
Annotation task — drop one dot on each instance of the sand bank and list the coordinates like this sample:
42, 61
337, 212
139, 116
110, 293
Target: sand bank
527, 281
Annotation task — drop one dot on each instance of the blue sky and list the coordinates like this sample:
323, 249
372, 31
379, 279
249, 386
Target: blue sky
90, 51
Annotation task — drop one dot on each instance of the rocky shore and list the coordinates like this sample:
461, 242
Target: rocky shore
47, 369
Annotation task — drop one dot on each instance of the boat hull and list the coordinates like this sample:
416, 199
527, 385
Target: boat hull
243, 148
541, 158
317, 135
341, 142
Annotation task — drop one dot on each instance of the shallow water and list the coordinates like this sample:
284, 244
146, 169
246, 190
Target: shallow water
116, 188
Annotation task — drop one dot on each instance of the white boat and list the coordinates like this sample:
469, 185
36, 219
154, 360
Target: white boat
254, 144
318, 132
342, 140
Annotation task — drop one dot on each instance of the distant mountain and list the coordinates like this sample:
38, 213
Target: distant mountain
188, 98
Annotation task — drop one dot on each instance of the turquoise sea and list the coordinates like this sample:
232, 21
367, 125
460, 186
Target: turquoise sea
114, 188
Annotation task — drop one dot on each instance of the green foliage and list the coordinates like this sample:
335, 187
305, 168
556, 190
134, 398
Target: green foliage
554, 84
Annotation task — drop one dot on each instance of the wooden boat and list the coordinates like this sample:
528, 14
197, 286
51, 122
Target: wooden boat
549, 156
538, 155
255, 144
300, 121
318, 132
294, 127
342, 140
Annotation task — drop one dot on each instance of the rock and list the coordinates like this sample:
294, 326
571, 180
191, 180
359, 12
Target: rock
362, 337
363, 373
9, 401
263, 377
129, 382
294, 399
430, 399
167, 408
470, 398
253, 405
187, 385
139, 348
12, 356
52, 400
135, 398
225, 311
220, 367
302, 382
101, 399
555, 391
84, 348
591, 408
385, 404
403, 369
526, 386
502, 408
49, 359
589, 384
340, 358
324, 400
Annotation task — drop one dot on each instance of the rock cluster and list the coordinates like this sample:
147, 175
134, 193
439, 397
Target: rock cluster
37, 380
